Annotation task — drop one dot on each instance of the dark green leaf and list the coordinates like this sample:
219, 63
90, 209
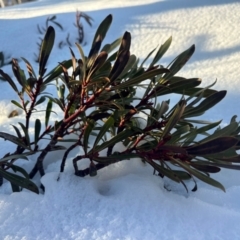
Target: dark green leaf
103, 28
199, 175
46, 48
37, 130
17, 104
40, 100
179, 62
10, 81
13, 139
176, 116
17, 131
19, 181
144, 76
84, 64
48, 112
213, 146
25, 130
107, 125
109, 47
206, 104
119, 65
205, 167
53, 74
16, 156
162, 50
116, 139
16, 168
87, 132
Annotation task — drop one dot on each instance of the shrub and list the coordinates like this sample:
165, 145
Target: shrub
98, 98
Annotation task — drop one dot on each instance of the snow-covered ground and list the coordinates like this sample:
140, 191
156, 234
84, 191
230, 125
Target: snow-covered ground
126, 201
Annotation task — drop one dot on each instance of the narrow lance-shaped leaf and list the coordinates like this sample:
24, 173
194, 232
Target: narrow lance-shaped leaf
84, 67
144, 76
17, 156
118, 138
107, 125
13, 139
125, 43
25, 130
17, 104
119, 65
177, 114
37, 130
29, 68
109, 47
16, 70
162, 50
17, 131
213, 146
201, 176
206, 104
48, 112
46, 48
53, 74
179, 62
40, 100
19, 181
115, 157
205, 167
87, 132
98, 63
103, 28
131, 62
10, 81
74, 60
16, 168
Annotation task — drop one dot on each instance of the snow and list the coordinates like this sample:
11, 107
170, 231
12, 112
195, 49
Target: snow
126, 201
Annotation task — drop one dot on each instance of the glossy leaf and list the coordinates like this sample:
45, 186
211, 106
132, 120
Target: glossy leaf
119, 65
106, 126
179, 62
162, 50
206, 104
213, 146
200, 175
205, 167
37, 130
48, 112
19, 181
103, 28
46, 48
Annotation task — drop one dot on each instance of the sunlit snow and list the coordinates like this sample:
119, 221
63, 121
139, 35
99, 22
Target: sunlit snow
125, 200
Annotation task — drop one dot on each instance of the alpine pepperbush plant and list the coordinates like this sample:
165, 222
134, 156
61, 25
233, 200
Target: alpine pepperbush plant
100, 104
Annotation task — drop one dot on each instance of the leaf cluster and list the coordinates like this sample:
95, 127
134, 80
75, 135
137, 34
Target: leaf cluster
98, 96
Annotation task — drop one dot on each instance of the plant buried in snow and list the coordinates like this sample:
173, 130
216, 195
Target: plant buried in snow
99, 100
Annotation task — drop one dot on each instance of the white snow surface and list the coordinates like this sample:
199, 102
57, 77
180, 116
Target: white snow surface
125, 200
